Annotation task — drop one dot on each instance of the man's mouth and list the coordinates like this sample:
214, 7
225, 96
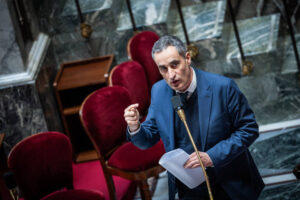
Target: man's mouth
175, 82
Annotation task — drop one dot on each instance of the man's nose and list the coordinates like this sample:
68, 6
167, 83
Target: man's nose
171, 73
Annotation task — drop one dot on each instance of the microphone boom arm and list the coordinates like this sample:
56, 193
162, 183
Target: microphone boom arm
181, 115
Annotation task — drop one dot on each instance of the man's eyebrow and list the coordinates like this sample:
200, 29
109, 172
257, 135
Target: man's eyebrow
174, 62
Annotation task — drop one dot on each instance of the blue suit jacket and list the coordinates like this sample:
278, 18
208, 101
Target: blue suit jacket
227, 128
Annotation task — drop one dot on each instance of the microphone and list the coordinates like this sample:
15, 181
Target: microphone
178, 107
11, 184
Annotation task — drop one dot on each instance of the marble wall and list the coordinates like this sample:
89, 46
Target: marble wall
45, 91
22, 104
111, 30
288, 191
145, 13
30, 107
289, 61
277, 153
60, 20
272, 89
10, 55
21, 114
203, 21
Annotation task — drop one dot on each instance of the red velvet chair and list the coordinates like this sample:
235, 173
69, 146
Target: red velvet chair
139, 49
101, 114
42, 164
131, 75
74, 195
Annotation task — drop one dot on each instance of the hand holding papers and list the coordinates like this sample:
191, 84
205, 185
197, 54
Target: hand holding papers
173, 162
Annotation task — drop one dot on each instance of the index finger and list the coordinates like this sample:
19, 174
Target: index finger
132, 106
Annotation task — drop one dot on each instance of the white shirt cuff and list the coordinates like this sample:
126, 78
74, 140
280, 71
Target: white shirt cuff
134, 132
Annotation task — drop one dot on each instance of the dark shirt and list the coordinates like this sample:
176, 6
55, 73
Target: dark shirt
182, 141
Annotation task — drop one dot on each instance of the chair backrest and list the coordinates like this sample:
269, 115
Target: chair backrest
139, 49
101, 114
74, 195
131, 75
42, 163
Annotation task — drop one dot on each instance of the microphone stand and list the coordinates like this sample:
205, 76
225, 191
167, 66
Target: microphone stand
181, 115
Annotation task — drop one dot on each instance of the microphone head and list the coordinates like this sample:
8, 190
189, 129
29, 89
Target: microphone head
9, 180
176, 101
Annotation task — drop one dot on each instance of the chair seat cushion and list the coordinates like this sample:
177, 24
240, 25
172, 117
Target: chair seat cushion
90, 176
75, 195
131, 158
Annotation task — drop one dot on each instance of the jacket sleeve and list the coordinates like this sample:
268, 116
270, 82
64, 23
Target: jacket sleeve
244, 126
148, 135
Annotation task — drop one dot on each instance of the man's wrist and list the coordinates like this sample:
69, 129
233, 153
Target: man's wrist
132, 133
133, 129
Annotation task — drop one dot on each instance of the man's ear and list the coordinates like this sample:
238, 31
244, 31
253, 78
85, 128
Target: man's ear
188, 58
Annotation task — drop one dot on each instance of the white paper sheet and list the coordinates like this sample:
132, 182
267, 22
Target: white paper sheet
173, 162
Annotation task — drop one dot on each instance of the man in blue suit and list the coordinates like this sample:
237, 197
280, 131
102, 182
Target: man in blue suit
221, 121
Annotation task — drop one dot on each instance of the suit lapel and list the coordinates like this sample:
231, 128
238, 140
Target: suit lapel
204, 106
168, 116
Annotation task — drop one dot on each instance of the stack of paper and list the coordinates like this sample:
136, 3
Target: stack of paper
173, 162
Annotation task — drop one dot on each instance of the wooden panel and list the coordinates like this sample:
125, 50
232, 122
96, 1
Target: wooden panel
75, 81
71, 110
87, 156
1, 138
84, 73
